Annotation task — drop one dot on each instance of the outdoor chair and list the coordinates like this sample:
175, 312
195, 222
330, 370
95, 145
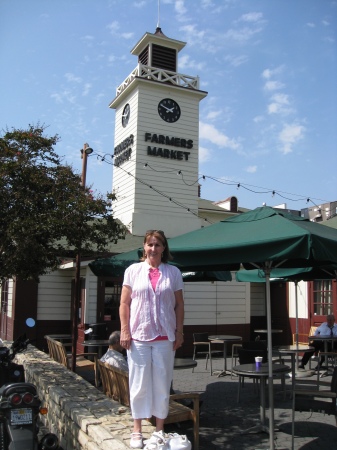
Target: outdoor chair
304, 339
247, 356
316, 400
203, 346
235, 355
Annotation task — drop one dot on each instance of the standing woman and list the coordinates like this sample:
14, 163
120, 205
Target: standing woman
152, 317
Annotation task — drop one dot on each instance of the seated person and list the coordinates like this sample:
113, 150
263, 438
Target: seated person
113, 355
327, 328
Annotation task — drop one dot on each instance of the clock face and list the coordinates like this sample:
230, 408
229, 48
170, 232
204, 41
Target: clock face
126, 115
169, 110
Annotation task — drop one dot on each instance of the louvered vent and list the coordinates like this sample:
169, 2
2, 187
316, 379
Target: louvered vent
143, 58
164, 58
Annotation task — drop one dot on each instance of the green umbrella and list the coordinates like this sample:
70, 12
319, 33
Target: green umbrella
304, 274
116, 265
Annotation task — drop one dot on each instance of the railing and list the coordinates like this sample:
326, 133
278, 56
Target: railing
164, 76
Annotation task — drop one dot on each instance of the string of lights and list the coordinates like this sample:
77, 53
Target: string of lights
108, 158
172, 200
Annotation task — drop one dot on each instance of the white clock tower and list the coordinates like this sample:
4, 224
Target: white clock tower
155, 175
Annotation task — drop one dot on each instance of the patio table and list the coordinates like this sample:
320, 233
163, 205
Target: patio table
262, 373
326, 340
224, 338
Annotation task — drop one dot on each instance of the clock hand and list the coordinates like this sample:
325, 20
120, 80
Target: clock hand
167, 109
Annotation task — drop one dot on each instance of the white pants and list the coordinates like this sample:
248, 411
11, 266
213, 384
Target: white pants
150, 377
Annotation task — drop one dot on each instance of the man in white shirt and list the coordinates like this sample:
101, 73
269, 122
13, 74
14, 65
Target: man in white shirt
114, 356
327, 328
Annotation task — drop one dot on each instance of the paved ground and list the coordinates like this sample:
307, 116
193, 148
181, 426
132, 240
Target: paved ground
222, 419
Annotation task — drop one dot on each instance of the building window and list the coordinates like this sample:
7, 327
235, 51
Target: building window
322, 291
112, 297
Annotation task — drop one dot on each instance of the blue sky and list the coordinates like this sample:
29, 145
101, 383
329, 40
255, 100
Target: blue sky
269, 67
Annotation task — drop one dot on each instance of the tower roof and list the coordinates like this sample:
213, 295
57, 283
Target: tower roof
158, 38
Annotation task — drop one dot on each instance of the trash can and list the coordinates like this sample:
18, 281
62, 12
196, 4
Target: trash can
99, 331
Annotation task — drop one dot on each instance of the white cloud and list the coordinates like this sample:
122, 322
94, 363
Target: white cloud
86, 90
213, 114
192, 33
290, 134
273, 85
113, 27
127, 35
251, 17
139, 4
242, 35
251, 169
210, 133
88, 38
279, 104
236, 61
311, 25
57, 97
204, 154
186, 63
72, 78
180, 7
268, 73
258, 119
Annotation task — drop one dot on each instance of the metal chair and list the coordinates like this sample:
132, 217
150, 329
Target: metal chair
235, 355
203, 346
316, 400
247, 356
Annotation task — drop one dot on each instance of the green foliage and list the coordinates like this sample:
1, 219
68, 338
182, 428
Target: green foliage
45, 213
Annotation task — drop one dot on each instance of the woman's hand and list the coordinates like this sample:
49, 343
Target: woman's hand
179, 340
125, 339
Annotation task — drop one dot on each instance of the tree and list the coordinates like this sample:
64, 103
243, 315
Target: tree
46, 215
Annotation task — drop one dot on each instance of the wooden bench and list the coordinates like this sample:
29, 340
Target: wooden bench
115, 384
58, 352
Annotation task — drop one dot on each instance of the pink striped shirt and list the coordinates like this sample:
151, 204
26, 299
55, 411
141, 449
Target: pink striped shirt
152, 311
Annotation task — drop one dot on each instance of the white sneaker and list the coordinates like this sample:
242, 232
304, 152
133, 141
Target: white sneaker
136, 440
178, 442
158, 441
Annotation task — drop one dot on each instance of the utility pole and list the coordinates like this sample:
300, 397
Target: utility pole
86, 151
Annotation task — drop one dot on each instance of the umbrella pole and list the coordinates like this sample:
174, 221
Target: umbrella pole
270, 360
296, 315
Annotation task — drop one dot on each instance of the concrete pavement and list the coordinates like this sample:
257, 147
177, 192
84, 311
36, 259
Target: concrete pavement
222, 419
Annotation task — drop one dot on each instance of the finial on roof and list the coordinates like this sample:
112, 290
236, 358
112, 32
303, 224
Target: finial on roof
159, 32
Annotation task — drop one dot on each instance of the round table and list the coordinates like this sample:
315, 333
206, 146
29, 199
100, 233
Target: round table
60, 337
224, 338
262, 373
326, 340
184, 363
99, 343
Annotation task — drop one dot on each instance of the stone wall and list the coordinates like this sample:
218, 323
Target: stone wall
79, 414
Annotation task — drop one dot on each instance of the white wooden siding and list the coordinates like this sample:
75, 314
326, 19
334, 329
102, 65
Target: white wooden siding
217, 303
91, 298
54, 295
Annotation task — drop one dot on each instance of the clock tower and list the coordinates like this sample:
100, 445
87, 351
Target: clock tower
155, 175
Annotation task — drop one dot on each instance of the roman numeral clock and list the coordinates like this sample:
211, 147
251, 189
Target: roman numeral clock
156, 141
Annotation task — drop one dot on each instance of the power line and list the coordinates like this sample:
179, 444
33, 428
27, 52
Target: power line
108, 158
